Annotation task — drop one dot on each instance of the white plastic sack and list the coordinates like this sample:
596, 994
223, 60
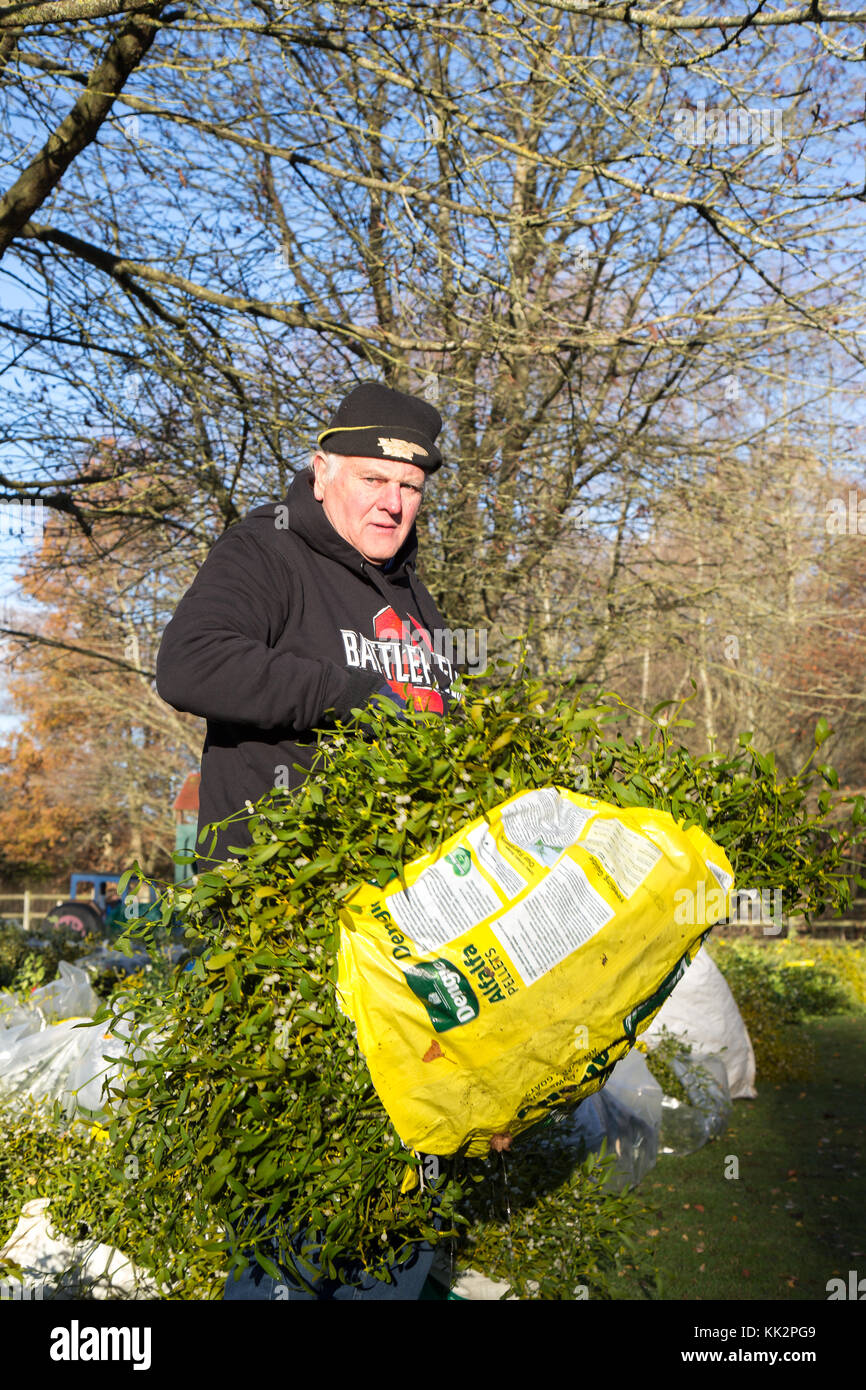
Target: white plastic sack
10, 1039
469, 1284
474, 1286
703, 1011
13, 1013
69, 996
627, 1112
62, 1062
633, 1084
66, 1270
687, 1127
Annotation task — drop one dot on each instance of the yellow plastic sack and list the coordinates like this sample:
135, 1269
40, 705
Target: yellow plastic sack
522, 961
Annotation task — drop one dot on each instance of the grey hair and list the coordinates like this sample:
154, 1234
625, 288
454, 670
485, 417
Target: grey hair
332, 463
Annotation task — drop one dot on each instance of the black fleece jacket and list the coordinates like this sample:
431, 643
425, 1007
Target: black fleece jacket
285, 628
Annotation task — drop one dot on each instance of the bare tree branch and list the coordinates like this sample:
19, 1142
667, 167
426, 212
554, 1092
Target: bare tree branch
814, 12
38, 638
66, 11
78, 129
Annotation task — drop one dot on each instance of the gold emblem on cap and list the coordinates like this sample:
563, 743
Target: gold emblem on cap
401, 447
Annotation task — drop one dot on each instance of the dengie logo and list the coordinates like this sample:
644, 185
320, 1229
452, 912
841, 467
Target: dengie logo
460, 861
445, 993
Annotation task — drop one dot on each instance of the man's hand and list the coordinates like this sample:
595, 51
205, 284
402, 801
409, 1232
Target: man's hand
386, 693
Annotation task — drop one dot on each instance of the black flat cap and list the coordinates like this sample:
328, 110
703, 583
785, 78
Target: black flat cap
374, 421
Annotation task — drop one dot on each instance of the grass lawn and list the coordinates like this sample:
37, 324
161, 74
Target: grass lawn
796, 1215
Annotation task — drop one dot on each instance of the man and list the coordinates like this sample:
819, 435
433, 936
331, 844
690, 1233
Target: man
309, 608
303, 611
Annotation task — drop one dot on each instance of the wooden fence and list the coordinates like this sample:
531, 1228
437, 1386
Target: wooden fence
27, 910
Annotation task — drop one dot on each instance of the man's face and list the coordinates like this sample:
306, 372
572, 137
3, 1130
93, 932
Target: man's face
372, 503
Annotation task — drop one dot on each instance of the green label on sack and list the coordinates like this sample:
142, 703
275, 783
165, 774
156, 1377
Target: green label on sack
445, 993
460, 861
655, 1001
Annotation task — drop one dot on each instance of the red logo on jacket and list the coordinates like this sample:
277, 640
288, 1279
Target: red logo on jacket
417, 649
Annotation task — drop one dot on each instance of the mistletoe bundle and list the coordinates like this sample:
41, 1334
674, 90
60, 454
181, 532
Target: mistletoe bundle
253, 1105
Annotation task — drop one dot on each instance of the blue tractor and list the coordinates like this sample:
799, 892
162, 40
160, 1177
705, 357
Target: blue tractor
104, 912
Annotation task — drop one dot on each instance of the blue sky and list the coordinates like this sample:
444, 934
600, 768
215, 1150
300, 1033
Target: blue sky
845, 149
12, 552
